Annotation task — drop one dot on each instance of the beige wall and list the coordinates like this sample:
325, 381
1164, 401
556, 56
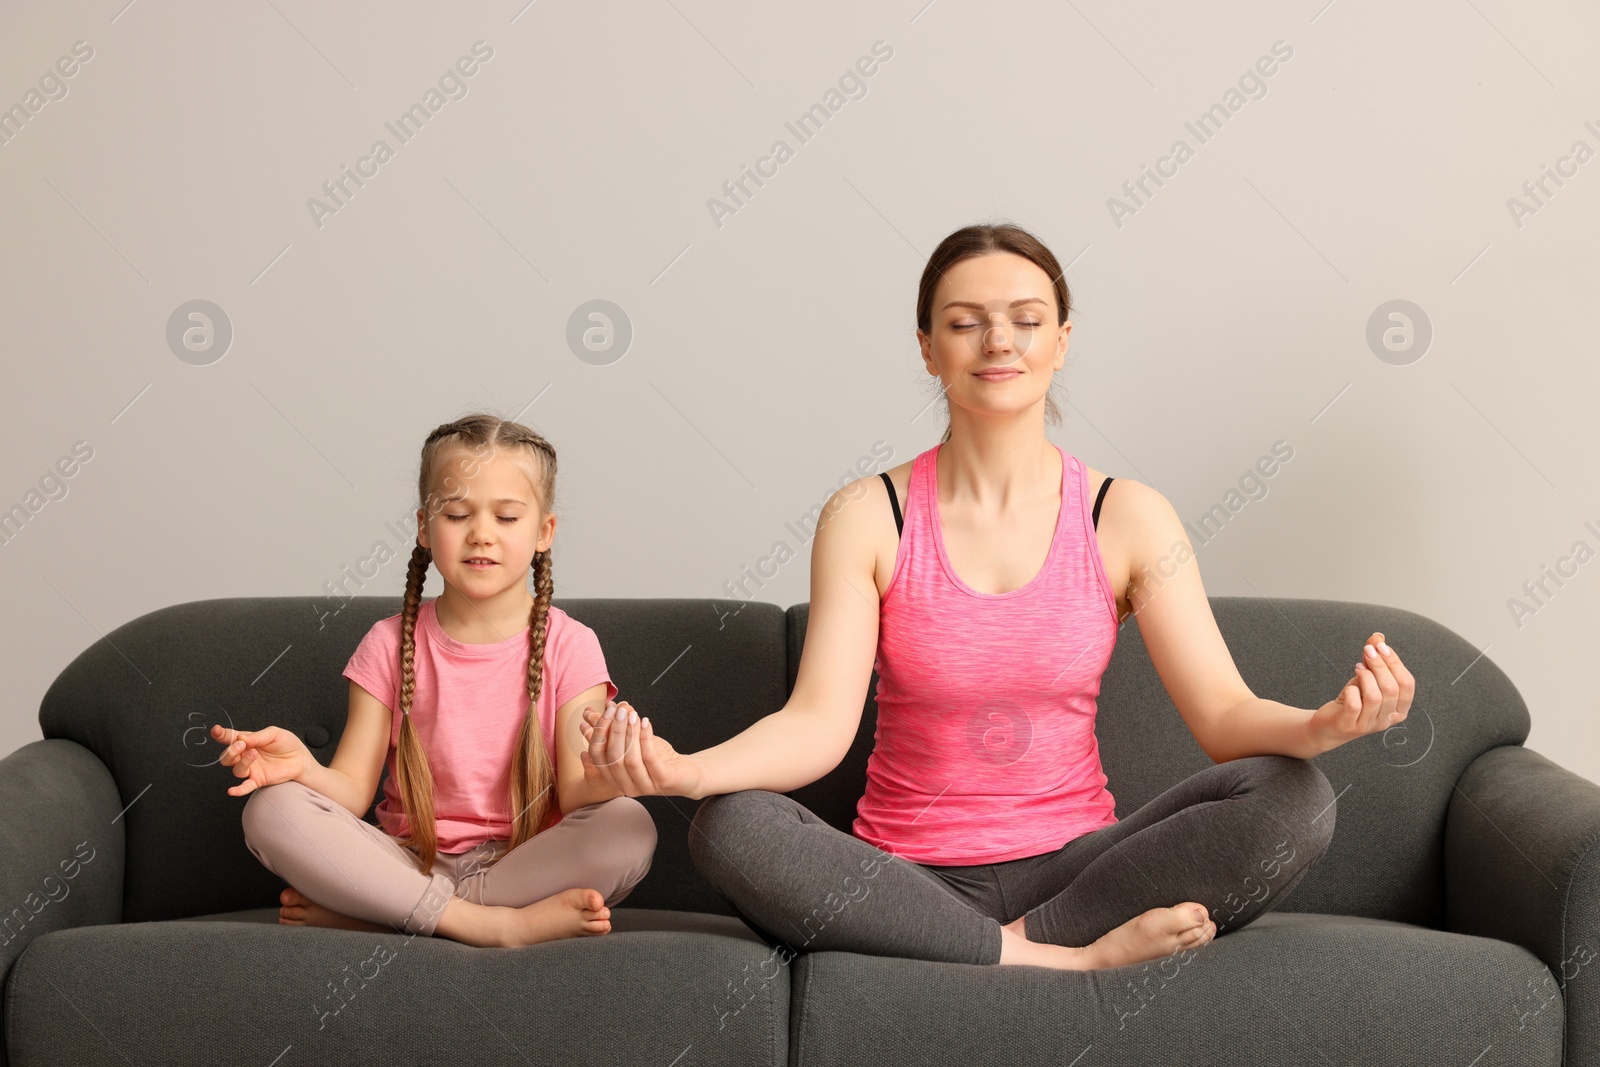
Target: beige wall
572, 158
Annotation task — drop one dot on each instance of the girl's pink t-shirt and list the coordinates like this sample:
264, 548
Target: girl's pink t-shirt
471, 734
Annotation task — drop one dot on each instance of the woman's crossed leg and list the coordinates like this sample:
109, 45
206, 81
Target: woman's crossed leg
1238, 836
800, 882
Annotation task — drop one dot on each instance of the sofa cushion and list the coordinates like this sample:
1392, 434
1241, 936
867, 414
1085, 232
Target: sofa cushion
240, 990
1289, 988
623, 920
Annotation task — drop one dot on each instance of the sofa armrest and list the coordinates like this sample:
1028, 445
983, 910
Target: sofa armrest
61, 844
1521, 865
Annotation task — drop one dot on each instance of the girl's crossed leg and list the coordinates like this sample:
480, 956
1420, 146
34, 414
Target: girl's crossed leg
1134, 891
344, 871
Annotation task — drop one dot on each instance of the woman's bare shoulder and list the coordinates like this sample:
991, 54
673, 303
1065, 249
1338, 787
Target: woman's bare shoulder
882, 534
1136, 524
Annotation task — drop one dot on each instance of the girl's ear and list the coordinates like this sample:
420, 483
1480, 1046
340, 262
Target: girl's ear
547, 535
422, 529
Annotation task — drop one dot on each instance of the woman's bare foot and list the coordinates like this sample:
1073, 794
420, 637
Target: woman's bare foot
300, 910
1156, 933
569, 913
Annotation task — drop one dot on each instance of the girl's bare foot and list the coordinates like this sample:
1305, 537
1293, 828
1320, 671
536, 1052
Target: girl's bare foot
569, 913
1156, 933
300, 910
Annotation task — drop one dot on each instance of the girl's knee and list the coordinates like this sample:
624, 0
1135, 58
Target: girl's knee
256, 814
266, 812
631, 839
634, 823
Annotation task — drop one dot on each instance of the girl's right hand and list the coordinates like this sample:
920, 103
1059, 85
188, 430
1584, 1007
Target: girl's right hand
261, 757
632, 759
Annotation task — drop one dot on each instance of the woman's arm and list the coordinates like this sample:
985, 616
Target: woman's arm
810, 734
1256, 726
1193, 661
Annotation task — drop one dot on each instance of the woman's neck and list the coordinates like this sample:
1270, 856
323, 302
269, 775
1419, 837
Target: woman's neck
995, 469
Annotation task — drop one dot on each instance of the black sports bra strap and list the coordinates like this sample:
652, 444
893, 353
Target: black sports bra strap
899, 520
899, 523
1101, 496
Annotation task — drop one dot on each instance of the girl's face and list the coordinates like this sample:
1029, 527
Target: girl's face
483, 523
993, 338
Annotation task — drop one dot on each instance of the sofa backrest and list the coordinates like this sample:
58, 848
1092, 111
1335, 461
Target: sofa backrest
143, 700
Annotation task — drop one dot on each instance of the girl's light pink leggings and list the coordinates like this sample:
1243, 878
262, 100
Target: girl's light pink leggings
354, 868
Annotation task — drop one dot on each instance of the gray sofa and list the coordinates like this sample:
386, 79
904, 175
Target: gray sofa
1454, 920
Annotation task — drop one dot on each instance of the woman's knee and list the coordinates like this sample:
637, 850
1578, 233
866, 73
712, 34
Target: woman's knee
720, 822
1307, 798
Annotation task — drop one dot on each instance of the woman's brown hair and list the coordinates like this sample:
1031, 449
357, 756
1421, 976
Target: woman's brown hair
981, 240
532, 770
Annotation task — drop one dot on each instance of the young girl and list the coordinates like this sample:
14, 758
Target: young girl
493, 833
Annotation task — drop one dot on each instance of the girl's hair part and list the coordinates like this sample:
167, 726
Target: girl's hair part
981, 240
532, 776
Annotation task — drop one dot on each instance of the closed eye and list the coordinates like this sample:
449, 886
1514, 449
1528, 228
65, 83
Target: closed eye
502, 518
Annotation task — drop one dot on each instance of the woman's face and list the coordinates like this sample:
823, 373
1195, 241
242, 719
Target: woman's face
483, 508
993, 340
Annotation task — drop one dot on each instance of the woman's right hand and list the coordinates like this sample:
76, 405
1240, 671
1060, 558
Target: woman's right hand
632, 759
262, 757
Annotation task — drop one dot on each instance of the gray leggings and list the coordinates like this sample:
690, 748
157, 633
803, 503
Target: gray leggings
1236, 837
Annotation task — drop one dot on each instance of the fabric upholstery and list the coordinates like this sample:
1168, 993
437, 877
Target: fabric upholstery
1461, 879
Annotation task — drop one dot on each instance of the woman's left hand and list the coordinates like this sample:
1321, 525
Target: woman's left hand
1378, 697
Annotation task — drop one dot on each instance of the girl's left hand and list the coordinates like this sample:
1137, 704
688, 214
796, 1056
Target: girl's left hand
1378, 697
607, 748
624, 753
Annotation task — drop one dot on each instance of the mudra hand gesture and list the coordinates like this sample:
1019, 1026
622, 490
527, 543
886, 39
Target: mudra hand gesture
625, 753
1377, 698
262, 757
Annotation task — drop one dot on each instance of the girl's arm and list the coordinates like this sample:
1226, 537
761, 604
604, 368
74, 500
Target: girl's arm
351, 781
577, 784
336, 786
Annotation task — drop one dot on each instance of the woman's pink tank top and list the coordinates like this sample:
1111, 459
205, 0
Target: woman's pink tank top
985, 748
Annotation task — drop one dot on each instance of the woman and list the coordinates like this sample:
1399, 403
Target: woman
986, 834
